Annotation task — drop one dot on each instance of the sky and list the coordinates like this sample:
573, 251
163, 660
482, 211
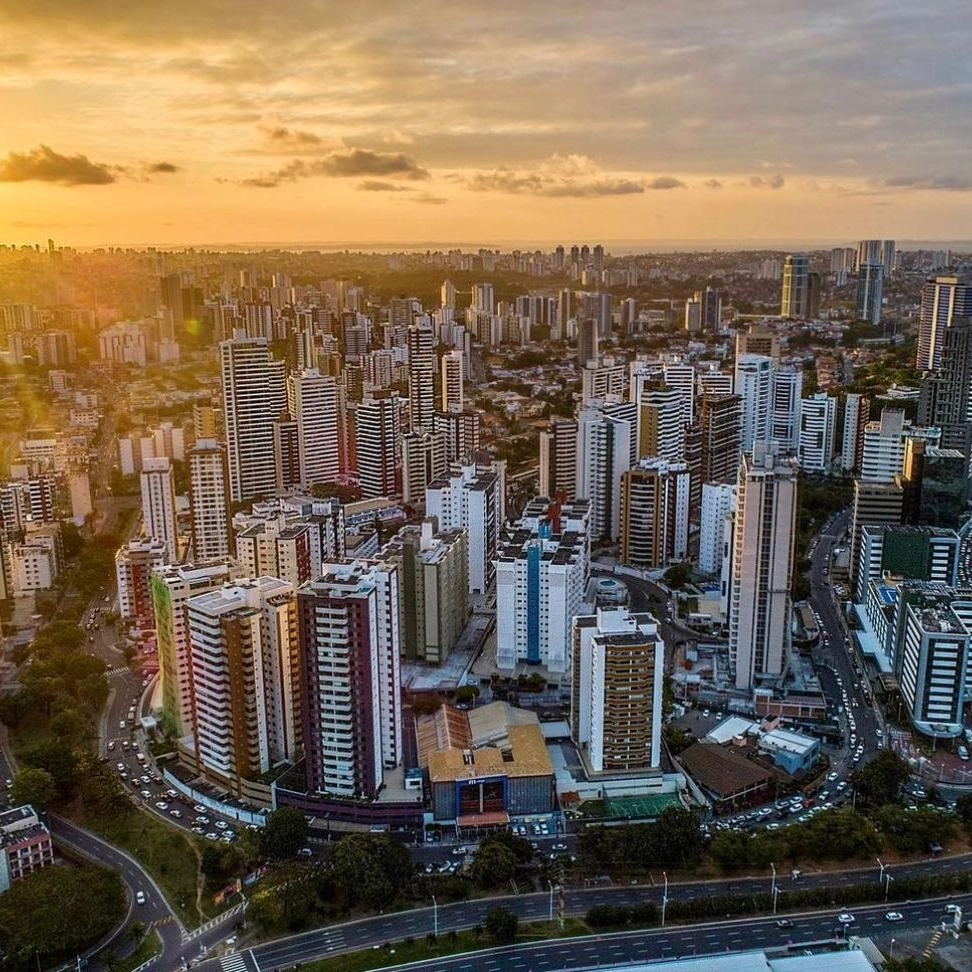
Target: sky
370, 122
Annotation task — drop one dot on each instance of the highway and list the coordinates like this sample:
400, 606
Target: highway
803, 930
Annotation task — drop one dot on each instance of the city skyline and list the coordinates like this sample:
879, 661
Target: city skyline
209, 124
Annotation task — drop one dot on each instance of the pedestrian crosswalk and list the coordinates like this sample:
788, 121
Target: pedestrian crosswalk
112, 672
933, 944
234, 963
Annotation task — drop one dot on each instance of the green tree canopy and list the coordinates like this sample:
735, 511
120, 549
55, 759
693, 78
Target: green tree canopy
34, 786
501, 925
286, 831
371, 869
880, 781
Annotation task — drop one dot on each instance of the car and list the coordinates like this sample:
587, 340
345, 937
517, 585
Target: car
162, 805
894, 916
784, 923
172, 794
220, 825
841, 786
111, 745
140, 897
198, 830
831, 777
120, 767
175, 813
560, 847
212, 836
146, 794
845, 918
122, 725
199, 808
950, 909
203, 820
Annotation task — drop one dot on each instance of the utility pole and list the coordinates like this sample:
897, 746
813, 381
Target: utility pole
664, 897
773, 884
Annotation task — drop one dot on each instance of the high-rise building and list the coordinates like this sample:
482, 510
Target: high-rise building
286, 453
795, 301
462, 432
875, 504
857, 412
661, 425
720, 418
472, 498
870, 284
158, 505
913, 552
587, 340
312, 400
212, 533
424, 458
943, 300
377, 437
172, 586
542, 571
882, 458
349, 636
681, 376
759, 339
945, 399
452, 380
558, 457
421, 376
246, 698
280, 547
818, 423
754, 385
602, 377
762, 567
936, 484
618, 663
433, 571
715, 532
253, 398
134, 565
785, 408
654, 513
606, 448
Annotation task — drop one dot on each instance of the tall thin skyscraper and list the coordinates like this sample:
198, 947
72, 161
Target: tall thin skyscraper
452, 381
421, 377
754, 384
857, 412
209, 500
762, 566
943, 299
158, 505
795, 301
945, 399
312, 400
785, 408
870, 283
253, 398
378, 440
720, 418
350, 643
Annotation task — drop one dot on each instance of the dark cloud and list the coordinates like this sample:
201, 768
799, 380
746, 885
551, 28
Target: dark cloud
664, 182
929, 183
555, 181
163, 167
350, 162
713, 184
378, 185
767, 182
290, 138
428, 199
43, 164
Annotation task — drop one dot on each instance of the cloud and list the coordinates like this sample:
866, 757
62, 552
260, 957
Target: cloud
928, 183
284, 139
43, 164
564, 177
163, 167
347, 162
429, 200
767, 182
713, 184
664, 182
378, 185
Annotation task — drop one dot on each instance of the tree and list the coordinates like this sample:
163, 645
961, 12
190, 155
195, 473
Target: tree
33, 786
678, 575
493, 864
501, 925
286, 831
963, 807
371, 869
880, 781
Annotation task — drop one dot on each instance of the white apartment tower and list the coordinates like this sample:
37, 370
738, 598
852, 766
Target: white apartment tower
818, 424
212, 536
452, 381
785, 409
158, 505
253, 399
753, 382
312, 401
762, 566
616, 691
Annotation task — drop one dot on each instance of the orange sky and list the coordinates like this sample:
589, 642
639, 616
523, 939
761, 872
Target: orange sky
220, 122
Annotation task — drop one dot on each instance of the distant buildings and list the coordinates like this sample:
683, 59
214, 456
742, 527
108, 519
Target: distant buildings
25, 845
159, 505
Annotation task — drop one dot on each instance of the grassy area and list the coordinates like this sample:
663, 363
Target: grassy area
164, 851
453, 943
150, 946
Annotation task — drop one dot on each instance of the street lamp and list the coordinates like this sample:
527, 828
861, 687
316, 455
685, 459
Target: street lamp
887, 885
880, 865
891, 953
773, 884
435, 917
550, 885
664, 897
776, 894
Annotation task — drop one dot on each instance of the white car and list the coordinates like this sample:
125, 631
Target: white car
220, 825
140, 897
845, 918
894, 916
